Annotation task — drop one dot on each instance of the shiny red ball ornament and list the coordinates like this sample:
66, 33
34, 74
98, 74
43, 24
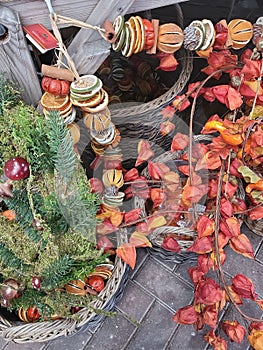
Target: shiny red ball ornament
9, 289
36, 282
96, 283
32, 314
16, 169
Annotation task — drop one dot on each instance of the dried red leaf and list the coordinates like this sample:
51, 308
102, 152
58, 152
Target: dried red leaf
204, 263
230, 226
171, 180
226, 208
221, 147
144, 152
221, 36
256, 213
131, 175
168, 63
96, 185
244, 287
208, 292
234, 331
212, 188
181, 102
205, 226
229, 189
106, 227
116, 218
179, 142
242, 245
157, 196
196, 274
217, 342
202, 245
127, 253
192, 89
132, 215
186, 315
193, 194
238, 205
210, 160
256, 325
104, 244
166, 127
168, 112
210, 315
251, 70
157, 170
170, 243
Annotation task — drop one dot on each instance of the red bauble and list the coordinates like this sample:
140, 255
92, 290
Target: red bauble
16, 168
96, 282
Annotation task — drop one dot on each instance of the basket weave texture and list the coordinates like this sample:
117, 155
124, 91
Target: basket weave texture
185, 235
47, 330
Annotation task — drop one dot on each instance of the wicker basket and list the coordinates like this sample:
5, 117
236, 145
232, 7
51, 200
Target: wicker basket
255, 226
47, 330
185, 235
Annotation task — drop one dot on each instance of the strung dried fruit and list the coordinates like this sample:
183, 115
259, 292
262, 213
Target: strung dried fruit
241, 32
16, 168
55, 86
170, 38
96, 282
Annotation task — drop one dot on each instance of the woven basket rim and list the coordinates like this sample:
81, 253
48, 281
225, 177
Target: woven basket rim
256, 226
48, 330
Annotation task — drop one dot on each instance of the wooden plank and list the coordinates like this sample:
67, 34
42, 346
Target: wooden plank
35, 11
140, 5
15, 58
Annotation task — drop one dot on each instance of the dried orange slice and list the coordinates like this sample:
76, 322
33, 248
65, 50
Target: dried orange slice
52, 102
75, 132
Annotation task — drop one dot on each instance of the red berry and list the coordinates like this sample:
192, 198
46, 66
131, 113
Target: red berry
36, 282
32, 314
96, 282
16, 168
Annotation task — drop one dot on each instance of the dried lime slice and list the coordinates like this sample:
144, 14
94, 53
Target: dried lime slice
118, 25
209, 34
127, 43
86, 83
119, 42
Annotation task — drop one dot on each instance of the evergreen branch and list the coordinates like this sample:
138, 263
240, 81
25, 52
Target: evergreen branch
9, 93
56, 272
8, 258
20, 205
61, 144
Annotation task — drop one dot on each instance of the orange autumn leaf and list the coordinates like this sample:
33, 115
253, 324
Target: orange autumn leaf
256, 213
255, 339
242, 245
171, 180
237, 298
179, 142
9, 214
234, 331
210, 160
144, 152
260, 304
168, 112
105, 227
157, 196
230, 226
138, 239
116, 218
157, 170
201, 245
127, 252
131, 175
156, 221
192, 194
205, 226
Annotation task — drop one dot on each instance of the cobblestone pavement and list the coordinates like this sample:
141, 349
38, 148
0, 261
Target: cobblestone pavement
143, 318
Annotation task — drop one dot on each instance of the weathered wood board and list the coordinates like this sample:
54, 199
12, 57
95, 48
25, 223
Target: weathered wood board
15, 58
32, 11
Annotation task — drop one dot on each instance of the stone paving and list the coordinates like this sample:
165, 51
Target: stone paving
143, 320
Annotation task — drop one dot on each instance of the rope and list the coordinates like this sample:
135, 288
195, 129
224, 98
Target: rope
61, 46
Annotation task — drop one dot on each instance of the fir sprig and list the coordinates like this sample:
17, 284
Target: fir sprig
9, 93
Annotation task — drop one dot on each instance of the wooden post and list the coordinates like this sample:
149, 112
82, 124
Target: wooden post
15, 58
